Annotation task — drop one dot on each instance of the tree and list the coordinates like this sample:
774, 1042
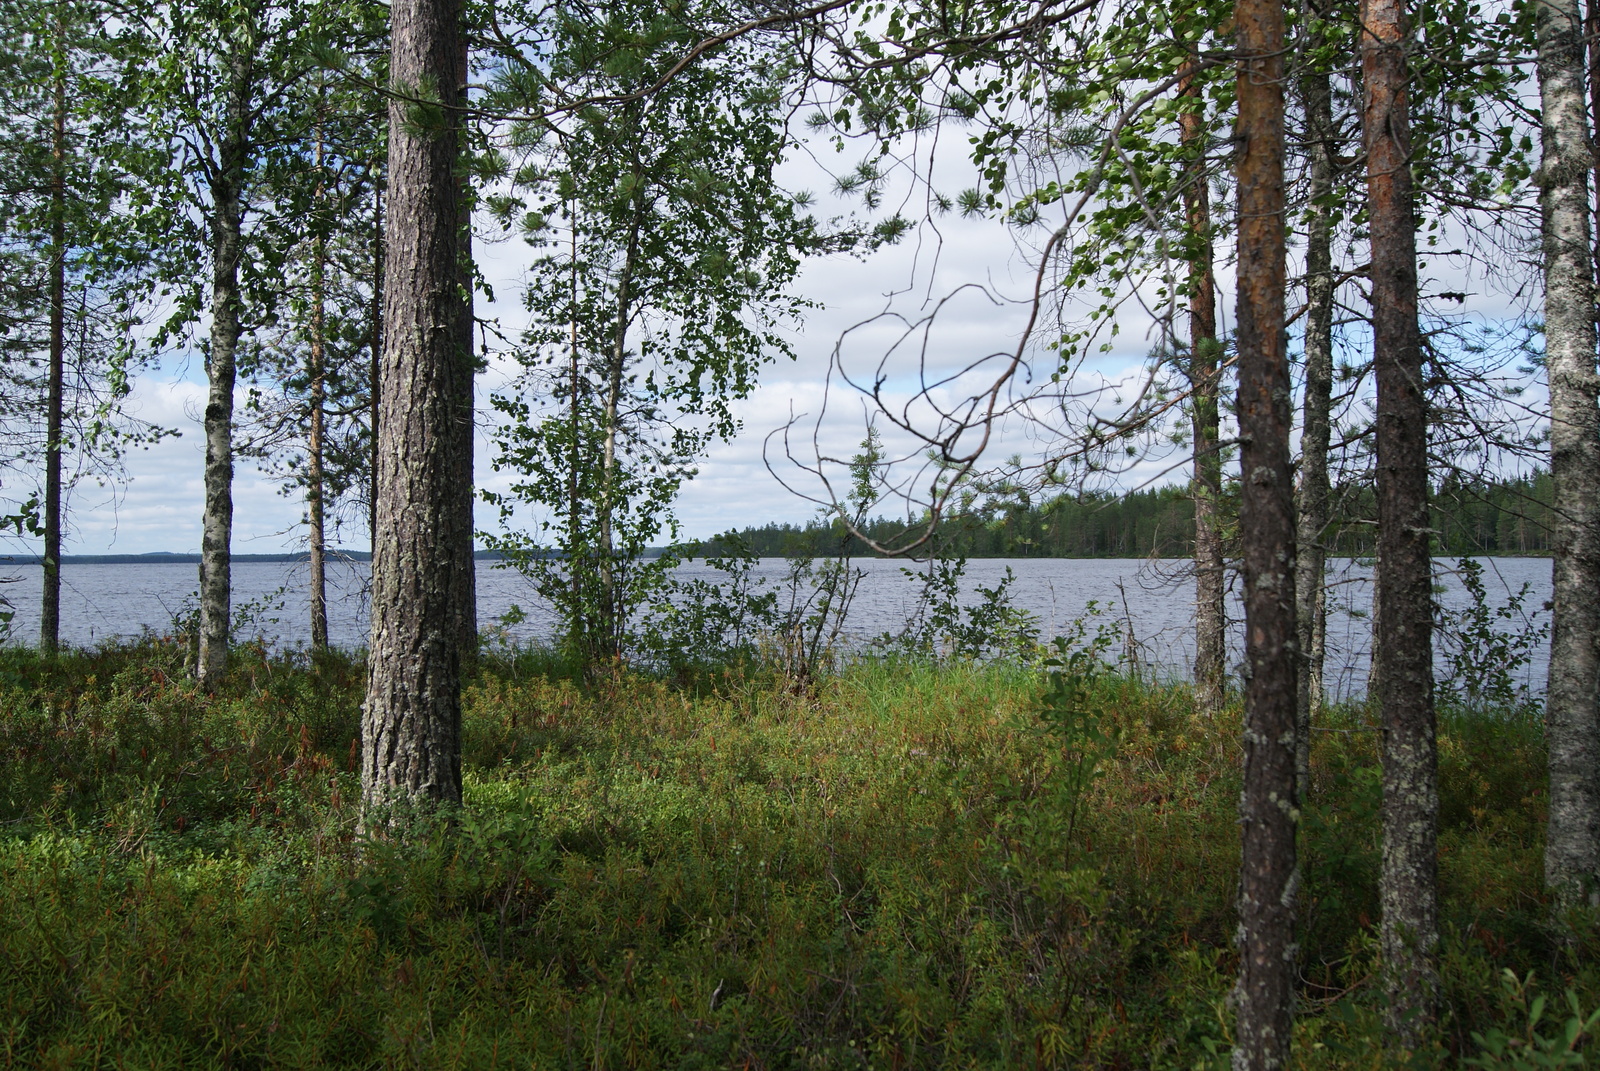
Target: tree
219, 92
1204, 373
70, 154
1572, 845
311, 399
670, 250
411, 724
1313, 494
1409, 930
1268, 808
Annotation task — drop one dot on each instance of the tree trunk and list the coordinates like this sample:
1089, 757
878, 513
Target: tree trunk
227, 212
1572, 707
612, 614
316, 372
1267, 808
411, 725
50, 604
466, 568
1210, 621
1408, 894
1315, 429
375, 346
1592, 36
574, 503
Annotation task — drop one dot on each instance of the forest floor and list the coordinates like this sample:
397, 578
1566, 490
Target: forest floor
904, 868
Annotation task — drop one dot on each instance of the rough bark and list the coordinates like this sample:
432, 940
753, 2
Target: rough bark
1315, 428
226, 221
1268, 813
1572, 706
375, 347
1408, 892
1210, 621
411, 726
466, 571
50, 603
1591, 34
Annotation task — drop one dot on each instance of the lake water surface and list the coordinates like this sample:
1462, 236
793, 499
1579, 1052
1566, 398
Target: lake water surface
1152, 600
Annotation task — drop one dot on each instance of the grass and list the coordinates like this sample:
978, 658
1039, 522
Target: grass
886, 874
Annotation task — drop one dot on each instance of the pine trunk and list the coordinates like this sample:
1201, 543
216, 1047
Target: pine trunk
1408, 894
375, 356
227, 212
1210, 620
1572, 707
466, 586
1268, 815
411, 726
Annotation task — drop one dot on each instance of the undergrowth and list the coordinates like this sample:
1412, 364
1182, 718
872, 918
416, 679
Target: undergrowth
905, 868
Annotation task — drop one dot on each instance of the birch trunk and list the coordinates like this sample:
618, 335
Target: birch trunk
50, 604
411, 725
1210, 620
612, 617
227, 213
1572, 842
1408, 893
316, 373
1315, 429
1268, 815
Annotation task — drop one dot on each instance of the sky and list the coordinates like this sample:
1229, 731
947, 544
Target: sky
977, 273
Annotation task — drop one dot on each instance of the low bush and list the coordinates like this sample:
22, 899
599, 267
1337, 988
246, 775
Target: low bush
904, 867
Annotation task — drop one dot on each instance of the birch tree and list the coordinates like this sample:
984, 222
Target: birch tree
669, 248
1572, 709
71, 153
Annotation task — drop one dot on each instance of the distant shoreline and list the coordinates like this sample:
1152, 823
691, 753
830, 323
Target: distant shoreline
168, 558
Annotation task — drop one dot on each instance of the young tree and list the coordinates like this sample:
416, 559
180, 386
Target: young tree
671, 251
219, 91
1203, 373
1313, 494
311, 402
69, 152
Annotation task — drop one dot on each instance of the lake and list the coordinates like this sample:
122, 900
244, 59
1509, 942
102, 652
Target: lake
1151, 599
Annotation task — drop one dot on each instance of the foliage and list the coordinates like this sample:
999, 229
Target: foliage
869, 874
986, 625
1488, 648
1487, 517
1530, 1048
710, 624
667, 249
74, 63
